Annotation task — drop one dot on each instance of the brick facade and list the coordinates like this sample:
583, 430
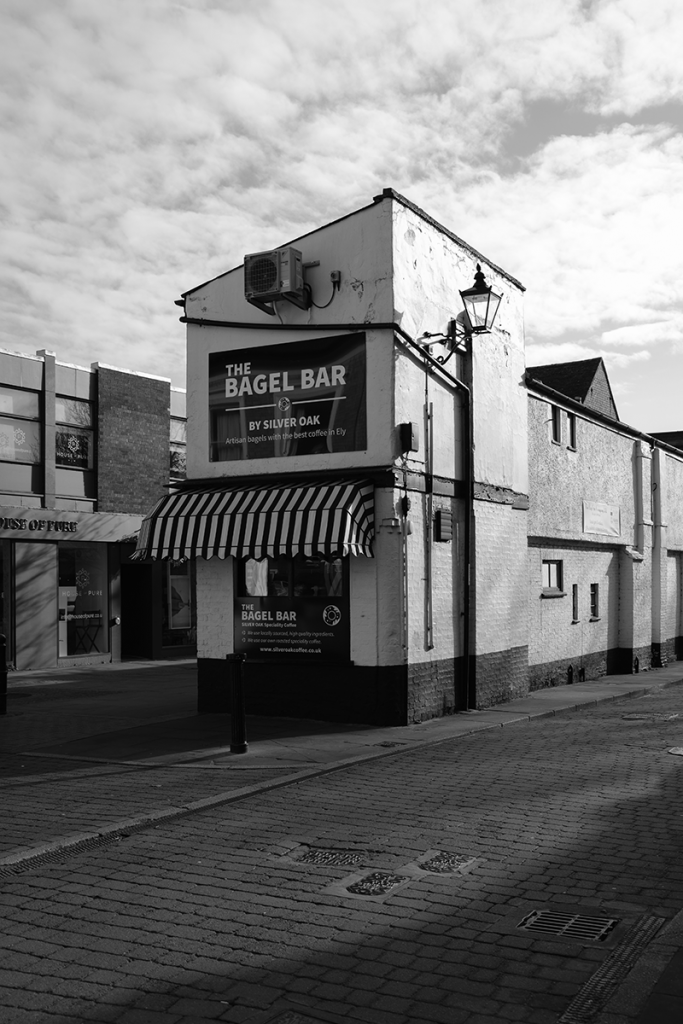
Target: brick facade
133, 440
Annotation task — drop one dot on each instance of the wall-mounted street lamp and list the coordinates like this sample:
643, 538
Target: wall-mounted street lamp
481, 305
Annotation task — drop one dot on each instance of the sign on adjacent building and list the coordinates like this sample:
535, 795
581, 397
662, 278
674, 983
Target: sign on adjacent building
303, 398
599, 517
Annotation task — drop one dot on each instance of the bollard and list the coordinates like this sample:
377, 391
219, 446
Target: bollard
3, 674
238, 717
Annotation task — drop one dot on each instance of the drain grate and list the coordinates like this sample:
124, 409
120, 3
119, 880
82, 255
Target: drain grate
599, 989
379, 883
331, 858
567, 925
445, 863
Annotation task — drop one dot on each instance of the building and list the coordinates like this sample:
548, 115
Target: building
83, 454
391, 520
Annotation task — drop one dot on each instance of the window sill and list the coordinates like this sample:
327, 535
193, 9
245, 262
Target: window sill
595, 618
553, 593
553, 441
572, 448
575, 622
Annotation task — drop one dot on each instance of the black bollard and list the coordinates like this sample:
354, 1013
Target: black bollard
238, 717
3, 674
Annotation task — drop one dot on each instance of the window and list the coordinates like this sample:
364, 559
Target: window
19, 425
571, 429
74, 439
83, 599
179, 617
551, 577
178, 449
575, 602
595, 600
556, 424
291, 577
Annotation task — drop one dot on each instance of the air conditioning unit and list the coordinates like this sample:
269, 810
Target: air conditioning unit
278, 274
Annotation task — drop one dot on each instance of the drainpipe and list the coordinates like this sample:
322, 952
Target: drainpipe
658, 556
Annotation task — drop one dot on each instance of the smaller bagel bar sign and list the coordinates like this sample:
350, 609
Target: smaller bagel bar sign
302, 629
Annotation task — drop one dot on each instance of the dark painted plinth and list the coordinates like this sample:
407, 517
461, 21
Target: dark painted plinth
331, 693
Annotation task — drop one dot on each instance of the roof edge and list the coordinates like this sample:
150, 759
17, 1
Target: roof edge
387, 193
390, 193
592, 414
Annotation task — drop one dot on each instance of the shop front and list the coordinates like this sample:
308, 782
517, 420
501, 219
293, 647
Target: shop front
286, 553
67, 582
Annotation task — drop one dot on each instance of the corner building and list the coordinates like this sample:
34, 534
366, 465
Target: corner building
356, 508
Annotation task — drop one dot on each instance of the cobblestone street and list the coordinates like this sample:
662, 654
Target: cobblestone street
246, 912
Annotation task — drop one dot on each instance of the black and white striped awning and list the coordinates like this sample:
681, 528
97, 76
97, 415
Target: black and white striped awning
326, 519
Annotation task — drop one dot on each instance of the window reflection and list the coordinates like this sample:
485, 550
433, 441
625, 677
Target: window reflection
291, 577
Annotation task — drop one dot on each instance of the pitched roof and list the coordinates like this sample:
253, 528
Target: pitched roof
584, 380
671, 437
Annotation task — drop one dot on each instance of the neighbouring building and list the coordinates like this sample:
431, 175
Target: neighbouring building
83, 455
391, 519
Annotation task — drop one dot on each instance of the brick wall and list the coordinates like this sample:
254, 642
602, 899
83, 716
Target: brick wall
133, 441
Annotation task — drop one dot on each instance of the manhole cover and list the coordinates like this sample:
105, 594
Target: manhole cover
445, 863
378, 883
331, 858
570, 926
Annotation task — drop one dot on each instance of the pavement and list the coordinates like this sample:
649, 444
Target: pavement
89, 757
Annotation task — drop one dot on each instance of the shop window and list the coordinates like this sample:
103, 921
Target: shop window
20, 426
551, 578
595, 600
83, 599
556, 424
179, 626
293, 608
74, 438
178, 449
6, 621
291, 577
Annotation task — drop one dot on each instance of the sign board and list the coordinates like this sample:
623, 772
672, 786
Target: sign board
601, 518
297, 399
301, 628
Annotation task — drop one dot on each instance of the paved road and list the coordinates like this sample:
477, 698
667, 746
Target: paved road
243, 912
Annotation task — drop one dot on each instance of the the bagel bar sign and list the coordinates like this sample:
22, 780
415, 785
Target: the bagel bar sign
303, 398
302, 629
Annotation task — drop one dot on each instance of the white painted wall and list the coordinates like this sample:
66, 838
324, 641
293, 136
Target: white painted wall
359, 246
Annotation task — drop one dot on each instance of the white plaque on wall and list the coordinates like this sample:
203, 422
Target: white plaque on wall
598, 517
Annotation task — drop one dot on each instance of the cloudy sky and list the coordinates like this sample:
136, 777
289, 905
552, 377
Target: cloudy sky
146, 145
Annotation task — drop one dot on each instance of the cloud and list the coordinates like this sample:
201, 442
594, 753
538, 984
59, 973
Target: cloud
145, 147
646, 334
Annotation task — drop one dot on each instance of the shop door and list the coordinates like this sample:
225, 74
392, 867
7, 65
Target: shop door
137, 611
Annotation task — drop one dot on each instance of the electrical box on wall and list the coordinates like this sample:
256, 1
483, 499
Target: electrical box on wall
273, 275
409, 437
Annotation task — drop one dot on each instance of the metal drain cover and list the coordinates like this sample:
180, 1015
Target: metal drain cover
445, 863
331, 858
568, 925
379, 883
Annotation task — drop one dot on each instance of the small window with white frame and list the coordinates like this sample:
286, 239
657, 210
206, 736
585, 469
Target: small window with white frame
571, 431
551, 577
556, 424
595, 600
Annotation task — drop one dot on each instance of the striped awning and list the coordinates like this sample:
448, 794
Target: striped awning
326, 519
